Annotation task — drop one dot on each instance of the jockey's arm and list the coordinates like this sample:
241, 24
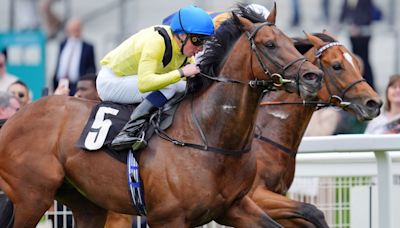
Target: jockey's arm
150, 61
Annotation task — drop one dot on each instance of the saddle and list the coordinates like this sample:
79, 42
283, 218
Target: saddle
107, 119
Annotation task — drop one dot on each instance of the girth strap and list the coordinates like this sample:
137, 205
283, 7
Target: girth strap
162, 134
290, 152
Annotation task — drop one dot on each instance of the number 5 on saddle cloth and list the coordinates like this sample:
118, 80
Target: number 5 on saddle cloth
107, 119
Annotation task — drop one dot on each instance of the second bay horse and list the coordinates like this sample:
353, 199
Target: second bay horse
281, 128
183, 186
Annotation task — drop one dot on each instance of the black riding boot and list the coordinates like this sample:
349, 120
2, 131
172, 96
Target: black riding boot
132, 134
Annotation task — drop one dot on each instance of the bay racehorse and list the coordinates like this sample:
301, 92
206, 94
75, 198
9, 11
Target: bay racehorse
183, 186
276, 149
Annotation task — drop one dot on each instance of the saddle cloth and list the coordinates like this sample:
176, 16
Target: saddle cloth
107, 119
105, 122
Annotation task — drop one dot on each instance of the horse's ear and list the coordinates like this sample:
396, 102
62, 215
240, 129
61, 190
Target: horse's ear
235, 17
328, 34
272, 15
246, 24
317, 42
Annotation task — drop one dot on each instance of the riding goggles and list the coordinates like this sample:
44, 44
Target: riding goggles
198, 40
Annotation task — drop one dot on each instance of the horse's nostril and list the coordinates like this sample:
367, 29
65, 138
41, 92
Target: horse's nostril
374, 104
310, 76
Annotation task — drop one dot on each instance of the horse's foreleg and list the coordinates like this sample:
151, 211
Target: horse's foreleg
288, 212
246, 213
86, 213
30, 209
115, 220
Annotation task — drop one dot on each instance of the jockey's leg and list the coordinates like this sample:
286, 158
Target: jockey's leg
132, 134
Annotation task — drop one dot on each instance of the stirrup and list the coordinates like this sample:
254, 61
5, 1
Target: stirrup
140, 143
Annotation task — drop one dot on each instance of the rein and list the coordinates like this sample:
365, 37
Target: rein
274, 79
334, 101
290, 152
162, 134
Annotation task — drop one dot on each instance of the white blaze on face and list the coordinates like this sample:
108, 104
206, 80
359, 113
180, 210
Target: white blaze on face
348, 57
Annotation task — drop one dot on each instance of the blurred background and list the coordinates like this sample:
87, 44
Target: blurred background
32, 36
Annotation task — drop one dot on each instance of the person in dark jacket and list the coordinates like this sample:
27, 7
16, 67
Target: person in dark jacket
358, 13
76, 57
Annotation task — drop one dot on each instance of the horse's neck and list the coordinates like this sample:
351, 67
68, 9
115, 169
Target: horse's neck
227, 111
284, 124
227, 115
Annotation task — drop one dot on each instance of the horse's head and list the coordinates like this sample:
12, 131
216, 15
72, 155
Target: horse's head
343, 80
274, 55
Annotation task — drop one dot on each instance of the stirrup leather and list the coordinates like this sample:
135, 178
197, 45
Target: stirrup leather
140, 143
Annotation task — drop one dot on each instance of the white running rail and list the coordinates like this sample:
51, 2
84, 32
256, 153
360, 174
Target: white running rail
380, 145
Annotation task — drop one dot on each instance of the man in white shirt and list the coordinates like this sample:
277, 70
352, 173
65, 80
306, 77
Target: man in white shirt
76, 57
6, 79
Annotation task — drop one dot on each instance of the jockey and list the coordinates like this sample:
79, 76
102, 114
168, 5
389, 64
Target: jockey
141, 69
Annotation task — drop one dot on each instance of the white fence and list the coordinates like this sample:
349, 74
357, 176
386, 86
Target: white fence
380, 145
331, 166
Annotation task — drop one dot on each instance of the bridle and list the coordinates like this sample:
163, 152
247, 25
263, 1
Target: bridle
278, 79
273, 80
341, 97
334, 100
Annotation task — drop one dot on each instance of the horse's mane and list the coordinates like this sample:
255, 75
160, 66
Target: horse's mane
303, 44
216, 50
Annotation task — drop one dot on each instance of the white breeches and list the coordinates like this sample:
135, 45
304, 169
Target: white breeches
124, 90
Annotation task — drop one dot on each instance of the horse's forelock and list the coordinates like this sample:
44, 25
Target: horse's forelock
324, 37
303, 44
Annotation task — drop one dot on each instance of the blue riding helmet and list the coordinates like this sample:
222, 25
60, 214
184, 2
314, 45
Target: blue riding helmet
192, 20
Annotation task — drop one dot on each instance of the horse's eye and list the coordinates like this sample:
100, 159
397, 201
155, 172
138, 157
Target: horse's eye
337, 66
270, 45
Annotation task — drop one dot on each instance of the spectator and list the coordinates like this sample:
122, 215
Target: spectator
296, 13
323, 122
62, 88
21, 91
76, 57
389, 120
6, 79
9, 105
325, 6
359, 14
86, 87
